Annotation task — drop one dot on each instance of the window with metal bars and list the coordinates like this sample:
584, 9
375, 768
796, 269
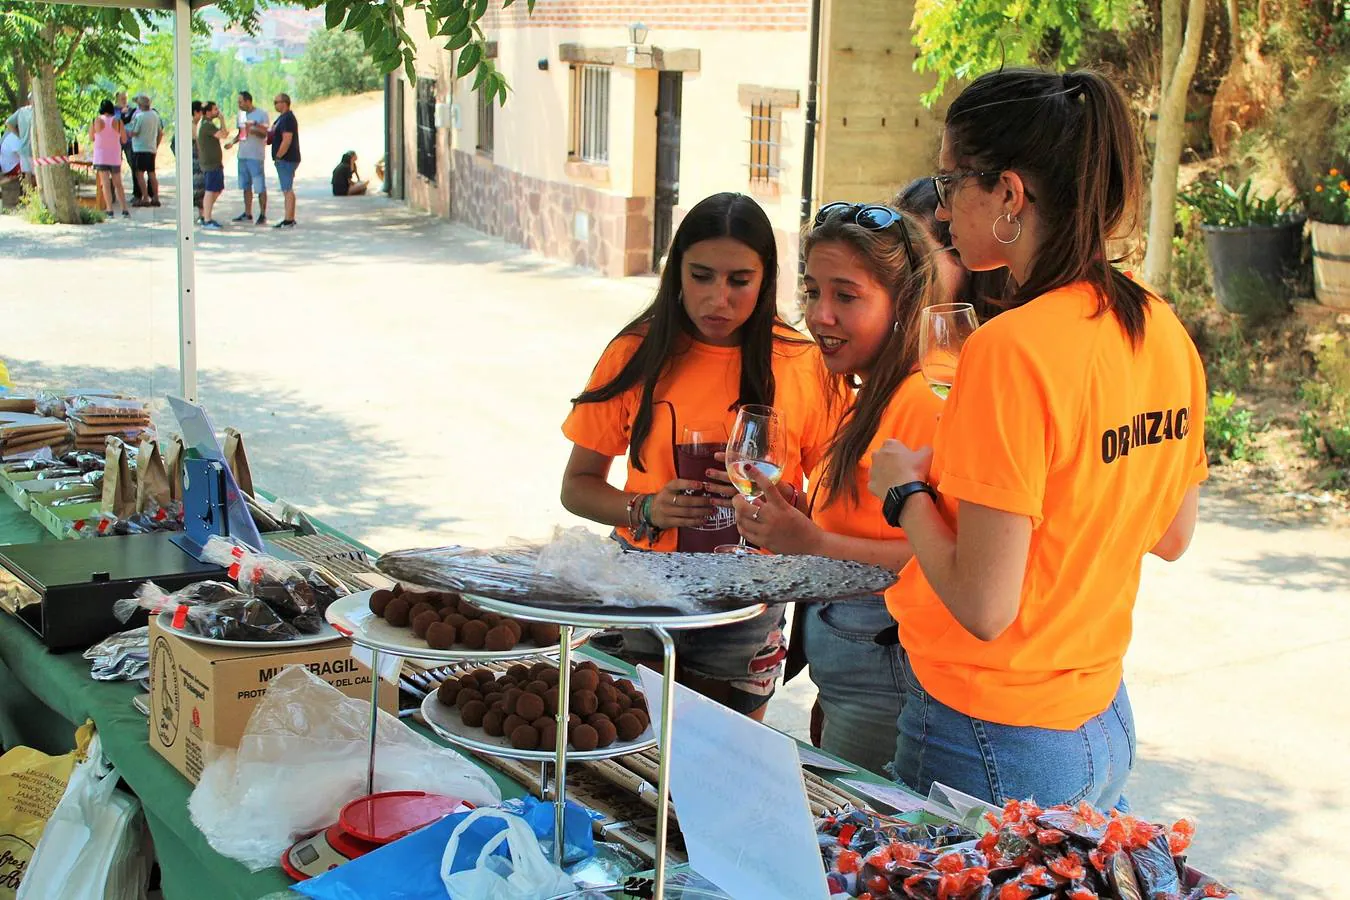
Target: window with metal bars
486, 122
765, 126
590, 114
426, 128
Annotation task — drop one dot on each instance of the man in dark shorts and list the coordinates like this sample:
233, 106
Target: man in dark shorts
146, 132
212, 158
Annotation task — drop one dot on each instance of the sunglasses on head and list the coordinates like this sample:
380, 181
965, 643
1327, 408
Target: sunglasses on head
871, 216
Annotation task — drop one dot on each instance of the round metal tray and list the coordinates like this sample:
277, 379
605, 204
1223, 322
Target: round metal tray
447, 724
351, 615
616, 617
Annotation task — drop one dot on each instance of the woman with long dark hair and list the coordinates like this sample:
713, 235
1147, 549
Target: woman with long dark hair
983, 290
710, 342
1071, 445
869, 274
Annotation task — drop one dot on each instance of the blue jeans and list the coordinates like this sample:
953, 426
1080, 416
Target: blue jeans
998, 763
858, 681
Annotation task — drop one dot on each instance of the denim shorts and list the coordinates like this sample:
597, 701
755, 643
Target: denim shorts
997, 763
747, 656
213, 181
252, 175
111, 170
286, 174
858, 681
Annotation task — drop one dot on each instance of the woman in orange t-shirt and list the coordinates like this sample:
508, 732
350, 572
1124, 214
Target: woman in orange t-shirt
710, 342
1071, 445
869, 271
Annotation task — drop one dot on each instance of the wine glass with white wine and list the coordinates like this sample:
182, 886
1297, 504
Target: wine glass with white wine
757, 442
943, 330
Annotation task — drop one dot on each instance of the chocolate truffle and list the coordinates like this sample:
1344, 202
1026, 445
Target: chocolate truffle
468, 681
538, 669
589, 665
473, 634
537, 687
447, 692
452, 597
549, 677
594, 720
610, 710
396, 590
492, 723
446, 615
518, 672
530, 707
641, 716
548, 733
515, 627
543, 634
441, 636
379, 600
512, 696
469, 611
584, 703
525, 737
492, 619
511, 723
573, 720
434, 598
493, 696
456, 619
629, 727
466, 697
500, 638
623, 701
583, 737
422, 622
605, 732
419, 608
607, 693
485, 676
396, 612
585, 680
473, 713
551, 703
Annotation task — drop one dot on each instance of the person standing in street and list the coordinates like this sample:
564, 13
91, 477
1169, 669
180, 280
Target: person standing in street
212, 158
146, 133
252, 141
22, 120
125, 111
286, 154
106, 134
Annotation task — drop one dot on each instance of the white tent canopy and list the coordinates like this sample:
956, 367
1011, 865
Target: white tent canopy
181, 10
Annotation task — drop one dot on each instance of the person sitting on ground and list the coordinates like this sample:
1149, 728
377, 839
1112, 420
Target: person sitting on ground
346, 181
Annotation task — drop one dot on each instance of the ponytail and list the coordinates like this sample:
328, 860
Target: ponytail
1072, 136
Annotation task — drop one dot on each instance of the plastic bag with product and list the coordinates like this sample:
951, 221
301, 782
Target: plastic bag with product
304, 756
299, 592
211, 609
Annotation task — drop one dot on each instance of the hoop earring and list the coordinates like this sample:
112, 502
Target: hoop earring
1011, 221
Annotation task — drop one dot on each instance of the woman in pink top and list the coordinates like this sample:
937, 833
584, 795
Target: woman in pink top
107, 134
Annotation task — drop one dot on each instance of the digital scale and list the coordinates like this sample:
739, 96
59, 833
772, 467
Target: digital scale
65, 590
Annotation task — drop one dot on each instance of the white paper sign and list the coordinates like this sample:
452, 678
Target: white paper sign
898, 799
820, 761
738, 792
391, 666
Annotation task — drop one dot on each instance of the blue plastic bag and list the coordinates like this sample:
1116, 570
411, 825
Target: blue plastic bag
409, 868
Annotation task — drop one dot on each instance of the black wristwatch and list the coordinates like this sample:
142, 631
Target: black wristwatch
896, 497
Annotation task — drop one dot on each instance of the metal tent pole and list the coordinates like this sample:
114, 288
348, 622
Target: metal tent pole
187, 293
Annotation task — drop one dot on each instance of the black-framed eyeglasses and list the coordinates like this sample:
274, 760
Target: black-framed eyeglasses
873, 217
943, 184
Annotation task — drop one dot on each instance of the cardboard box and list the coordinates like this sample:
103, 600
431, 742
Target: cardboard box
201, 696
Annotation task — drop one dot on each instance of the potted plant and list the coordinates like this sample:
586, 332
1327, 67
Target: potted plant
1329, 209
1253, 244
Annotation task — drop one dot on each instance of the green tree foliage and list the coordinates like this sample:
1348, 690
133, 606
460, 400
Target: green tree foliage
335, 63
962, 39
382, 28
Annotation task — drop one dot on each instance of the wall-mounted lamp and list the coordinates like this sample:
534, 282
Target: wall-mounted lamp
543, 64
637, 33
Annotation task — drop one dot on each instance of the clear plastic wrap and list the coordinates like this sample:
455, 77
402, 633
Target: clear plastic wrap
211, 609
303, 757
124, 656
298, 592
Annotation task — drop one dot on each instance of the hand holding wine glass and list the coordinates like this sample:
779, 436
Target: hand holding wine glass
758, 442
943, 330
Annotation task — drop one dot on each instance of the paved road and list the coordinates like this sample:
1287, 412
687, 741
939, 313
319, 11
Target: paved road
405, 379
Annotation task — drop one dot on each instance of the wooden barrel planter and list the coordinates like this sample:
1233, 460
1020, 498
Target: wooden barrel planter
1331, 264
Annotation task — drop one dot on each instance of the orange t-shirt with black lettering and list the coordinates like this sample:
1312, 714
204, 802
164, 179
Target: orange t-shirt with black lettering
1054, 415
911, 418
701, 386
